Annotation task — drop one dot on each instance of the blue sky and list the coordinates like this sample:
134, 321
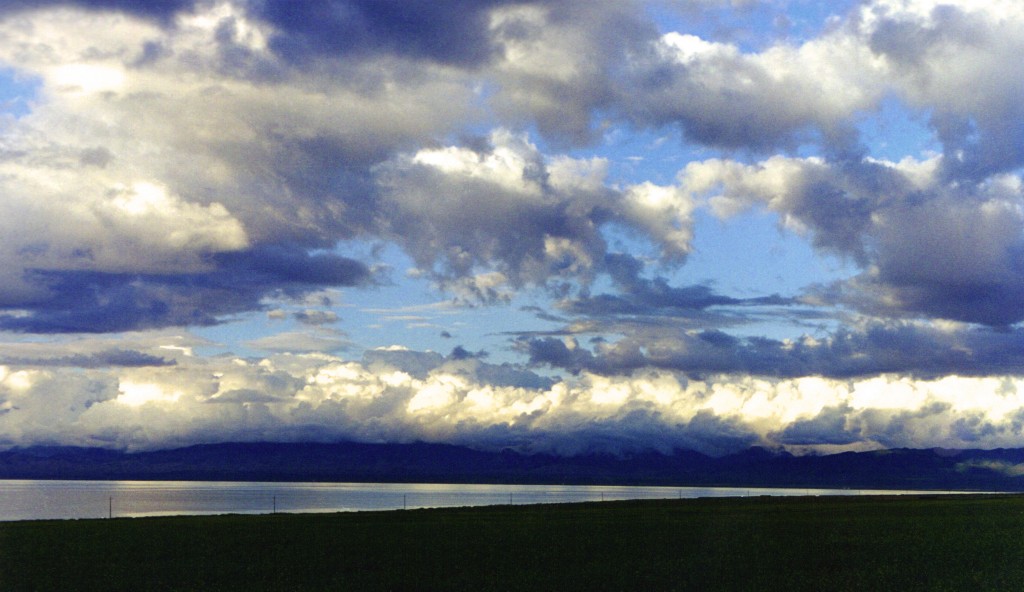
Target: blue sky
548, 225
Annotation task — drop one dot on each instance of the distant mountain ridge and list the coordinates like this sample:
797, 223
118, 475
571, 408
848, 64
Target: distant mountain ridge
1000, 469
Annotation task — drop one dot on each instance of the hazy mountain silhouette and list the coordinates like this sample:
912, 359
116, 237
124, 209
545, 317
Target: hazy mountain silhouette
1001, 469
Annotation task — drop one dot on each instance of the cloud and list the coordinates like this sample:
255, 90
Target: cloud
316, 317
429, 397
641, 297
913, 349
450, 31
104, 359
956, 59
237, 155
157, 126
560, 62
722, 97
1008, 469
946, 249
952, 60
92, 302
136, 180
938, 237
302, 342
185, 162
458, 211
161, 10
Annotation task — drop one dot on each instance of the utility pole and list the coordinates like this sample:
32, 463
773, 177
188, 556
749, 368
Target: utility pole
110, 507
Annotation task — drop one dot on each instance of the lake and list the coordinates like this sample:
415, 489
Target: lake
38, 500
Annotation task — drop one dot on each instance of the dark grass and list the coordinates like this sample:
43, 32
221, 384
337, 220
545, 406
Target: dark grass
931, 543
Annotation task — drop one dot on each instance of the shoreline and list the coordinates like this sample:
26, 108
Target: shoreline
61, 499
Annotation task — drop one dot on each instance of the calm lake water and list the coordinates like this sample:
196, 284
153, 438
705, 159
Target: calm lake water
35, 500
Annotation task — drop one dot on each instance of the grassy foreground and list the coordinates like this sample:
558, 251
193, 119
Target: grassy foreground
856, 543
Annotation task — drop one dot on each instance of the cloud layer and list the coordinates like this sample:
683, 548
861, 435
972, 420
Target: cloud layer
402, 395
184, 163
251, 131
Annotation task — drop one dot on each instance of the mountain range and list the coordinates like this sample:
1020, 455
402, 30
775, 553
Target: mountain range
939, 469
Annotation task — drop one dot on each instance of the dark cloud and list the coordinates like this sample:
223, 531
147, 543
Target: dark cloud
286, 266
723, 98
587, 46
879, 348
508, 375
640, 296
163, 10
315, 317
471, 365
416, 363
634, 429
951, 251
998, 304
558, 353
95, 302
499, 210
640, 428
461, 353
981, 136
446, 31
112, 357
927, 246
828, 427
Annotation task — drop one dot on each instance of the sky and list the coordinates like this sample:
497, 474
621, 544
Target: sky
545, 225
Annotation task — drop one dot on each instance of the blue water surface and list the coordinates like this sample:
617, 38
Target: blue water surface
36, 500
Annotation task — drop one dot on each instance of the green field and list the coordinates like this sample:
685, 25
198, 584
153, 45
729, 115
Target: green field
840, 543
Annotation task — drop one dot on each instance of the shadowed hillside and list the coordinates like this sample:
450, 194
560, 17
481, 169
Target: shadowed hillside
420, 462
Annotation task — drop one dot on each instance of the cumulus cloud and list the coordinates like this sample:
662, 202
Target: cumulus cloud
460, 211
927, 246
248, 161
257, 129
136, 182
560, 62
407, 396
782, 96
183, 161
957, 60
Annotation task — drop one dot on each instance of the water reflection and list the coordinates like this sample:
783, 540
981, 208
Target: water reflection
30, 500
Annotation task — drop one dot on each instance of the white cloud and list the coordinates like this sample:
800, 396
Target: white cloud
131, 162
781, 96
302, 342
163, 149
926, 244
458, 211
424, 396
